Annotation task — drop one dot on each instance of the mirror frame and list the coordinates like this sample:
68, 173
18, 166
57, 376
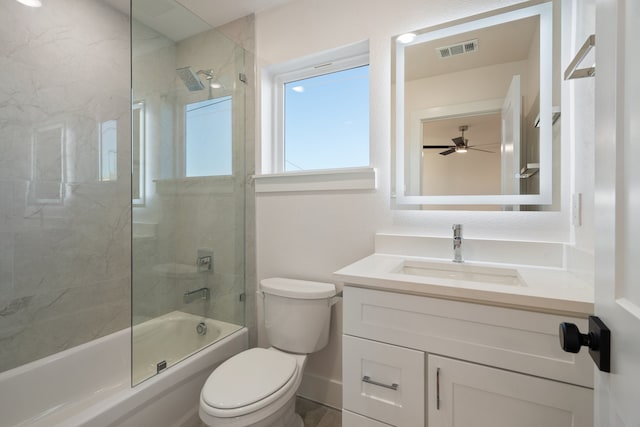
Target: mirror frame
544, 11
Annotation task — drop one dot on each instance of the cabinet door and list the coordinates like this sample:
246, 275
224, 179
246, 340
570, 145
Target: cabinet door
463, 394
383, 382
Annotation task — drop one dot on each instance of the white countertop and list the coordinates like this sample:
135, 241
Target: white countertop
545, 289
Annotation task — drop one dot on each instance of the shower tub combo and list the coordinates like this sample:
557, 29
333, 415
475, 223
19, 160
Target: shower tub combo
90, 385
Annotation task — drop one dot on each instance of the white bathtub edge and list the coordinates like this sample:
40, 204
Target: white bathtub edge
132, 399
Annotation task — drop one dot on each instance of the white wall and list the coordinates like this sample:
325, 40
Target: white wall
310, 235
578, 129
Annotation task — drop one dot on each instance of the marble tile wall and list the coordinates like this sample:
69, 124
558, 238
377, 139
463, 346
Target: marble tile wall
64, 228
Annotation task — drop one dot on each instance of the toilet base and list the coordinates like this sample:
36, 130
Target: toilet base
283, 417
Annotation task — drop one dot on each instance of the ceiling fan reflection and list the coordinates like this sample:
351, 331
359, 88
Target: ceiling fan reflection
461, 145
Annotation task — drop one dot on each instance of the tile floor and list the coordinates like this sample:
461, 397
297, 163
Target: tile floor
315, 415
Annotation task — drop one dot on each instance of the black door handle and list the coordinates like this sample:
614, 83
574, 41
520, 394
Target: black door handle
598, 340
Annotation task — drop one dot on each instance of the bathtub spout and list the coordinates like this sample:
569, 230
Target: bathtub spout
190, 296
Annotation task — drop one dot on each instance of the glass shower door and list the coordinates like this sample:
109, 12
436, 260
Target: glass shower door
188, 187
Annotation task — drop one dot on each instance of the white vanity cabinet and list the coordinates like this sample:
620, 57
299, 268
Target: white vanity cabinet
411, 360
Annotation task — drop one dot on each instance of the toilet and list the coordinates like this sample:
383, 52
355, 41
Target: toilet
258, 387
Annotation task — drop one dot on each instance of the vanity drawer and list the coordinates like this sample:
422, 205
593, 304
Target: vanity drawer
512, 339
384, 381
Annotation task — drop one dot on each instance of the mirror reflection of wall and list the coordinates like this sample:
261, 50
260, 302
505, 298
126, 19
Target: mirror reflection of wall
474, 171
47, 172
108, 151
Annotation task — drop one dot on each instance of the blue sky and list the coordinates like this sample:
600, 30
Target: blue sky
208, 137
327, 121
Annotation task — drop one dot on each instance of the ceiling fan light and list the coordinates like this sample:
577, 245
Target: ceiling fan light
461, 149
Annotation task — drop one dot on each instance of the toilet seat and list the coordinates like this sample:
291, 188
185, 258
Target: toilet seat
249, 381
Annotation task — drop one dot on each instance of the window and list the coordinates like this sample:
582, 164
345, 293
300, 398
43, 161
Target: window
326, 121
208, 137
322, 115
315, 123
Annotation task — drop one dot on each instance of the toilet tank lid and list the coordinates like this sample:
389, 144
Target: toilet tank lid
300, 289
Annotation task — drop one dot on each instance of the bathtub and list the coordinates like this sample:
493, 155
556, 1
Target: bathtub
90, 385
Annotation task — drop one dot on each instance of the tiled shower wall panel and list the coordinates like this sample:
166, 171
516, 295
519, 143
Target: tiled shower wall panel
64, 225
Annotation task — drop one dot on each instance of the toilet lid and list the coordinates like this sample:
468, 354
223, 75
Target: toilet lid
248, 377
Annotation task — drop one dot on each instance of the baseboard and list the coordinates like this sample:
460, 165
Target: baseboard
322, 390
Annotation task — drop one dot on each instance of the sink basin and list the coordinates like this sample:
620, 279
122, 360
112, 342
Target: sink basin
465, 272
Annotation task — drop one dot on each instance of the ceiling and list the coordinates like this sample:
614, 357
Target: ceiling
499, 44
175, 18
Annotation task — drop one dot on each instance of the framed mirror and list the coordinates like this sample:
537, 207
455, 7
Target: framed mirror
474, 112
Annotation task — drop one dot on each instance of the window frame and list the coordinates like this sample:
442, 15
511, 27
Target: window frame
312, 69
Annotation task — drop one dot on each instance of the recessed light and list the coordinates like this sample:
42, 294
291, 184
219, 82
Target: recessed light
30, 3
406, 38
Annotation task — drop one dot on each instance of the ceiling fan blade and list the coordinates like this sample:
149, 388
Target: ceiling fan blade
437, 146
483, 145
478, 149
459, 141
449, 151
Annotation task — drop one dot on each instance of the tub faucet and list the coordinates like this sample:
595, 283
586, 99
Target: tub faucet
457, 243
190, 296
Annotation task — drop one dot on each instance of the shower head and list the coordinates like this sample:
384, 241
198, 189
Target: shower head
208, 74
190, 79
211, 78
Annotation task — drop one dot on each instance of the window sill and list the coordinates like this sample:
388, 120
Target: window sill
198, 185
322, 180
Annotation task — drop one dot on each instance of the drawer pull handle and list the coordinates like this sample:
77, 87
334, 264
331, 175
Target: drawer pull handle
367, 379
438, 389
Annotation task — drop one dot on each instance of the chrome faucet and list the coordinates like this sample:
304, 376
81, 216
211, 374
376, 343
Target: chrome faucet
190, 296
457, 243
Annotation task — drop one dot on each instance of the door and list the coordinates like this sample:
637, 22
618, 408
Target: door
617, 208
510, 144
463, 394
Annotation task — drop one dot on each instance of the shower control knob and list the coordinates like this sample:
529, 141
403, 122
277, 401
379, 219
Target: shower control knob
598, 340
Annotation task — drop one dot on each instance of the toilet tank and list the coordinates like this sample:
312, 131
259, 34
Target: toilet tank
297, 313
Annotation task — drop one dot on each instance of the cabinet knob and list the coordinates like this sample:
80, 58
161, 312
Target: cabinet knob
598, 340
